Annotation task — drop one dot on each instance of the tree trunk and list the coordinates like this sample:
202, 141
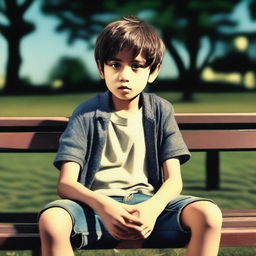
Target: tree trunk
13, 83
187, 83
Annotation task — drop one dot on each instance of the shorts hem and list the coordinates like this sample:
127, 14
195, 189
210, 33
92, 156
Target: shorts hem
56, 205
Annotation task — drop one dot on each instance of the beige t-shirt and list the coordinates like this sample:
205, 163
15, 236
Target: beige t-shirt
123, 167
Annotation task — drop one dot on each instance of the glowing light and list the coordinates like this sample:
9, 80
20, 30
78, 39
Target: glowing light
241, 43
249, 80
2, 82
56, 84
209, 75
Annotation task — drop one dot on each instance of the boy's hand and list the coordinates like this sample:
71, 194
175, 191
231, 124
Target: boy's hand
146, 215
120, 222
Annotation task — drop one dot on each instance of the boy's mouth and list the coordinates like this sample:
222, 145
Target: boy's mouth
122, 87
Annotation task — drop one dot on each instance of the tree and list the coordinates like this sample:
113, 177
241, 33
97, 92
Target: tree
77, 17
185, 24
252, 9
13, 31
70, 71
181, 22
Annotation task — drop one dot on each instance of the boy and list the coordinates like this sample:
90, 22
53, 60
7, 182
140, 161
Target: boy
119, 161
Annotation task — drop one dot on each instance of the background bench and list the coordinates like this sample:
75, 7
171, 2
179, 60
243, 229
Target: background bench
211, 133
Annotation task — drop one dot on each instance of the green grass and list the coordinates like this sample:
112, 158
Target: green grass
28, 180
63, 105
33, 105
214, 102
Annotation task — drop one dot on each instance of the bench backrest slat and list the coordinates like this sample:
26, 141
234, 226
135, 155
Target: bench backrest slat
200, 131
30, 124
195, 140
220, 140
33, 121
29, 141
218, 118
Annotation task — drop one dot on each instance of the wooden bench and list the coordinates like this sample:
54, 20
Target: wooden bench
211, 133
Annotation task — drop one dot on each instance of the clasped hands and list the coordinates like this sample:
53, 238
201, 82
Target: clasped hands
128, 222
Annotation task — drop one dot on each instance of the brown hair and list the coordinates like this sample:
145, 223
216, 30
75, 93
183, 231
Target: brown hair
131, 33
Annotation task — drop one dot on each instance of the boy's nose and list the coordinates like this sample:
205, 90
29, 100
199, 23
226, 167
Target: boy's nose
124, 75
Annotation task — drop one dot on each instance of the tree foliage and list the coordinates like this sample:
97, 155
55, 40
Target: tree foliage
182, 23
252, 9
70, 71
78, 17
187, 23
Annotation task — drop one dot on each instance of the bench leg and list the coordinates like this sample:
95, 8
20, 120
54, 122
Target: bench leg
212, 170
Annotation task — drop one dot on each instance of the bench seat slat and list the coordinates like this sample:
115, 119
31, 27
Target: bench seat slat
230, 237
18, 228
239, 229
239, 213
239, 222
18, 217
16, 235
236, 237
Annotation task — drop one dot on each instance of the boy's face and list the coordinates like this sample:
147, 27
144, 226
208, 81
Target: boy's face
125, 76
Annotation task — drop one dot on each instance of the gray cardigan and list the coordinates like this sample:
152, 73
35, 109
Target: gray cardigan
85, 135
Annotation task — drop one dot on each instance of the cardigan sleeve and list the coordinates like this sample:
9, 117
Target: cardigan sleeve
72, 144
173, 145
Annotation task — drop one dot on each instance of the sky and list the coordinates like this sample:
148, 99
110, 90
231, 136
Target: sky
42, 48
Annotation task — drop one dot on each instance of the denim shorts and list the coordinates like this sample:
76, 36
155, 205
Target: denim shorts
89, 231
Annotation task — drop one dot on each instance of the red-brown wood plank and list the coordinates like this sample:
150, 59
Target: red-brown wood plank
220, 140
239, 212
180, 117
231, 237
188, 118
196, 140
29, 141
32, 121
239, 227
235, 237
237, 230
239, 222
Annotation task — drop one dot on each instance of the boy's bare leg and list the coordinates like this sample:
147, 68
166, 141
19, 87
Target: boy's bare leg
204, 219
55, 226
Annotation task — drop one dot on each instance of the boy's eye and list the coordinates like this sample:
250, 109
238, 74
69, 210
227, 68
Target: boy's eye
114, 65
136, 66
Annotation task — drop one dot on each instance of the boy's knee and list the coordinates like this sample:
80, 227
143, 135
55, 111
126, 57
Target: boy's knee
203, 213
211, 215
55, 222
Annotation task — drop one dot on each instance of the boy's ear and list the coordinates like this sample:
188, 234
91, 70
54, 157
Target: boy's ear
100, 70
154, 74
